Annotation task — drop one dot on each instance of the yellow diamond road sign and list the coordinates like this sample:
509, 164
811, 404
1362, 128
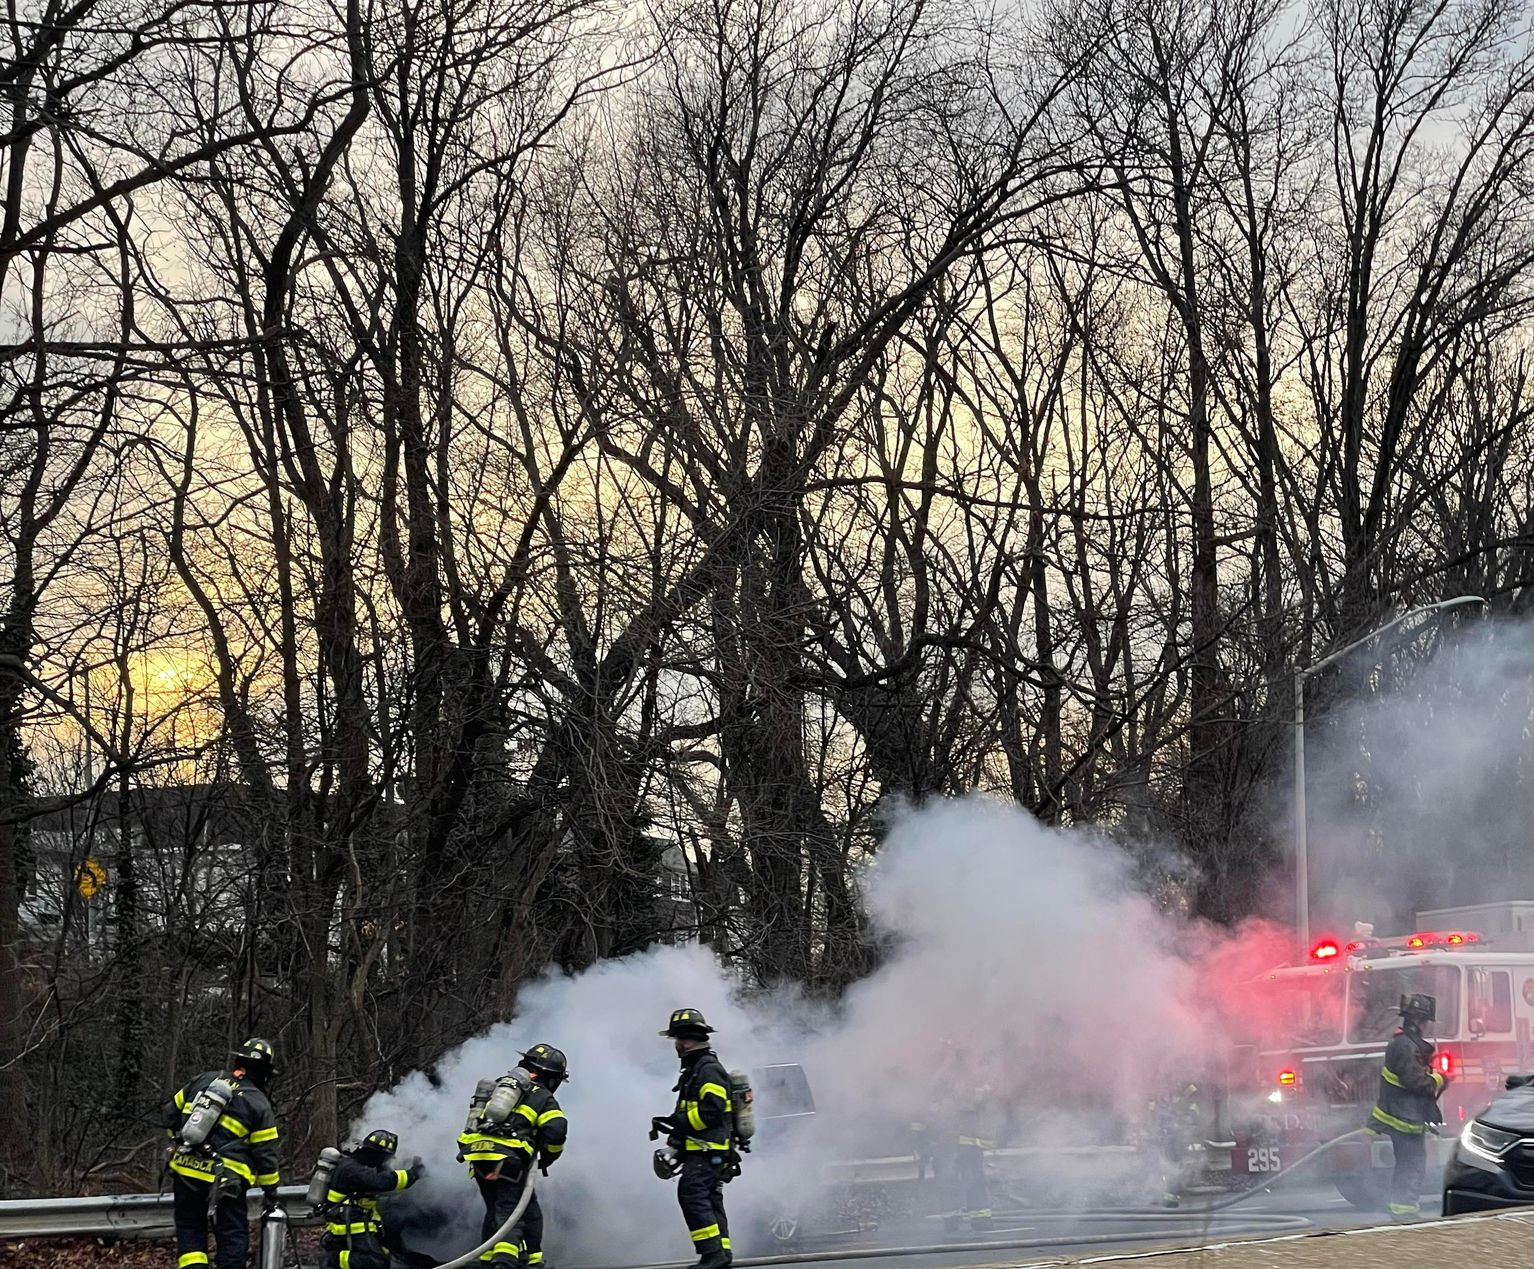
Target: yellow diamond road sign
90, 877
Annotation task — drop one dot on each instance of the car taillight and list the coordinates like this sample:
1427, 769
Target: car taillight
1287, 1079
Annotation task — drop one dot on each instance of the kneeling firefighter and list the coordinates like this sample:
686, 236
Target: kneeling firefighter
223, 1141
712, 1117
515, 1122
346, 1188
1408, 1101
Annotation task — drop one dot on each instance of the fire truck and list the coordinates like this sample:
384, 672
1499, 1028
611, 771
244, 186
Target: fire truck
1311, 1071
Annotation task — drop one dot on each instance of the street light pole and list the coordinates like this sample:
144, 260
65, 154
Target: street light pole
1301, 675
1301, 845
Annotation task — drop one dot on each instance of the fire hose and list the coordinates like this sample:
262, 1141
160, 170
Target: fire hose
274, 1233
1273, 1222
472, 1257
1189, 1217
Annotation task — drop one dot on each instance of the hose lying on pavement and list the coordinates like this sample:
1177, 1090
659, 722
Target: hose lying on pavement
1191, 1226
1183, 1212
472, 1257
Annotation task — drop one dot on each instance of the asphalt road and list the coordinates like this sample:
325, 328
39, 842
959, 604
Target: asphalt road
1030, 1238
1289, 1210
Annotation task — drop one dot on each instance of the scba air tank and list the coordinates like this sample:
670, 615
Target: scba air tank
207, 1106
510, 1090
477, 1104
319, 1180
742, 1106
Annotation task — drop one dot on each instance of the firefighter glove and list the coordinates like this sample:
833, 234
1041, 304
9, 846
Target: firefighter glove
415, 1171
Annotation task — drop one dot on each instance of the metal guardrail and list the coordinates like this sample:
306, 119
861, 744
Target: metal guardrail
122, 1214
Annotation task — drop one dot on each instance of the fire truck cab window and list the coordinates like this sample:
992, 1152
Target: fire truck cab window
1375, 998
1491, 1002
1304, 1010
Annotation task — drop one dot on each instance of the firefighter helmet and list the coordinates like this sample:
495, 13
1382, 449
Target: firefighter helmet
381, 1140
545, 1059
255, 1052
1419, 1005
666, 1164
688, 1023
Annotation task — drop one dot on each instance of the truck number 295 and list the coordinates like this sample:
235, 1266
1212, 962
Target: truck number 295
1263, 1159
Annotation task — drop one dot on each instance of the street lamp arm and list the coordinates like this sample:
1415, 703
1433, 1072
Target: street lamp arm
1301, 673
1308, 671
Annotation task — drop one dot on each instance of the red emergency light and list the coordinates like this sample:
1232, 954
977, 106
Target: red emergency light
1444, 1065
1287, 1079
1436, 938
1325, 950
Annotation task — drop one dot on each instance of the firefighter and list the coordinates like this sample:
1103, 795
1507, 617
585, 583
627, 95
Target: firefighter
1408, 1102
701, 1138
1173, 1126
223, 1141
500, 1154
965, 1109
353, 1237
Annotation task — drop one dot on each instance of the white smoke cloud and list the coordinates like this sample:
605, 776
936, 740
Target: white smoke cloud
1419, 787
1028, 949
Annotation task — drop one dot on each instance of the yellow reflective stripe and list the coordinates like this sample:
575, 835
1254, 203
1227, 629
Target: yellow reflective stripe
490, 1156
401, 1178
717, 1090
535, 1257
1390, 1077
264, 1134
527, 1112
481, 1139
193, 1166
694, 1144
1439, 1080
506, 1249
356, 1227
240, 1170
549, 1116
232, 1125
708, 1231
724, 1244
346, 1259
181, 1105
191, 1258
267, 1179
1400, 1125
334, 1196
559, 1149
